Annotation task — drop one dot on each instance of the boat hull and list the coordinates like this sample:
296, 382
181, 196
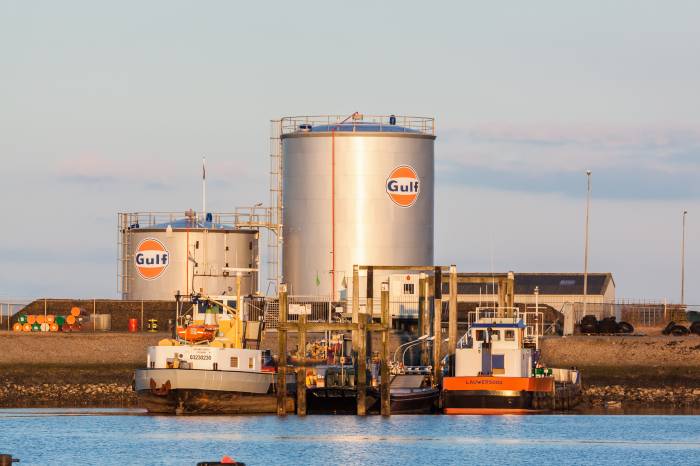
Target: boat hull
406, 401
335, 400
178, 391
497, 395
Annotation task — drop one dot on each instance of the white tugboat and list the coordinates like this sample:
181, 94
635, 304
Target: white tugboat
215, 366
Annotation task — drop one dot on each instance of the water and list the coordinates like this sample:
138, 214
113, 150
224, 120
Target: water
130, 436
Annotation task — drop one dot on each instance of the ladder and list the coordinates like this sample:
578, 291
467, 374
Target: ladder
274, 231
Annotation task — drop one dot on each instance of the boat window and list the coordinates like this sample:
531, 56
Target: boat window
408, 288
234, 361
480, 335
231, 304
510, 335
251, 363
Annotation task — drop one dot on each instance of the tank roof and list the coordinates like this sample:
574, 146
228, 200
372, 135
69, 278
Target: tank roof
357, 124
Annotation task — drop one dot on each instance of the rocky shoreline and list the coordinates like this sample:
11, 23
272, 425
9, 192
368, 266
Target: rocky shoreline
82, 395
642, 397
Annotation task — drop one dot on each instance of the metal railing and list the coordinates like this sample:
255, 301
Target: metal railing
383, 123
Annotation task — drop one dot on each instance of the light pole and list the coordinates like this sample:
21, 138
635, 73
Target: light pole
396, 353
585, 267
683, 260
403, 355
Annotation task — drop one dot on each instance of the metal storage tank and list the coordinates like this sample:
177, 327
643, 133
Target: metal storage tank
154, 262
355, 192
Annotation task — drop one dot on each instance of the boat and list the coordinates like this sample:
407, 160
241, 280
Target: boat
496, 373
210, 371
409, 394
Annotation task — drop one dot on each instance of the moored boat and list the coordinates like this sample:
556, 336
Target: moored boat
496, 374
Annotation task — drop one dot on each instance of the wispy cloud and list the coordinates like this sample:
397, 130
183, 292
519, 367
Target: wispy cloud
662, 154
148, 171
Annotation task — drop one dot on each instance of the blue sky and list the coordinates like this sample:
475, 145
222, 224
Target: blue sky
109, 107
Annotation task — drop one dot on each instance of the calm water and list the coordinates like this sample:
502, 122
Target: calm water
129, 436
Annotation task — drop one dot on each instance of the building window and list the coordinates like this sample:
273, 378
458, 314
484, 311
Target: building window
510, 335
408, 288
234, 362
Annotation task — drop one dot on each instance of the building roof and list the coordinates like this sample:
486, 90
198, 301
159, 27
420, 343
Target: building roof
559, 284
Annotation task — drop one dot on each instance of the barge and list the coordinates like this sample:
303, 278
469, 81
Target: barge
495, 373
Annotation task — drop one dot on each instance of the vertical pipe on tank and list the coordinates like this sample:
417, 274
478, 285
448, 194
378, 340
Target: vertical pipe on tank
333, 202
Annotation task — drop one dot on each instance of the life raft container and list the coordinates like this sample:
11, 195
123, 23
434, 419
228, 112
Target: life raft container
198, 332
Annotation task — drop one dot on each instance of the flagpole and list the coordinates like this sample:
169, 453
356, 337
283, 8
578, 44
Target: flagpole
204, 188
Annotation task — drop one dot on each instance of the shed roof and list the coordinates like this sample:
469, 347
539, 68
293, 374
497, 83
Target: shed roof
549, 284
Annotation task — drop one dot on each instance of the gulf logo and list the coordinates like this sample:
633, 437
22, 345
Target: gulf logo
403, 186
151, 258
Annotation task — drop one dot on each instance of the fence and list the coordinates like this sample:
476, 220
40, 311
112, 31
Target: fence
10, 307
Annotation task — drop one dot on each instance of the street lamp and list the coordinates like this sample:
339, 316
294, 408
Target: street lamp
683, 260
585, 267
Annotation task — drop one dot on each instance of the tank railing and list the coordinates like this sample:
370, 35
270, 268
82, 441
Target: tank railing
244, 217
307, 123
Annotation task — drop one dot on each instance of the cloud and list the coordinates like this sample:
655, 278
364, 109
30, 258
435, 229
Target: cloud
661, 158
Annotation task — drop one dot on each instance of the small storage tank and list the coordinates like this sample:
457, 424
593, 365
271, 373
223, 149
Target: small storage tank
362, 195
159, 259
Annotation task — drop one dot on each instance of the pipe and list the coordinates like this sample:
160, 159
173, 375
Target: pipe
333, 205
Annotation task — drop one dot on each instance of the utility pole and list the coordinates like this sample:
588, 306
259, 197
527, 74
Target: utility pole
585, 267
683, 261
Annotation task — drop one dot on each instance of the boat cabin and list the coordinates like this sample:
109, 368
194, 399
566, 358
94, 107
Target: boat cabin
494, 347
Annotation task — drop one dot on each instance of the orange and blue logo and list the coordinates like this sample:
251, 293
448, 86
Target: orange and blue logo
151, 258
403, 186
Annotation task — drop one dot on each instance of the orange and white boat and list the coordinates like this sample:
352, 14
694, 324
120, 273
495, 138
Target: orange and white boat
496, 374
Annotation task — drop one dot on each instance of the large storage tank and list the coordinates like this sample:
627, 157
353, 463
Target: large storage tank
379, 201
155, 263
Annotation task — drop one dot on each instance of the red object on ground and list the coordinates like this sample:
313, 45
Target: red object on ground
133, 325
226, 459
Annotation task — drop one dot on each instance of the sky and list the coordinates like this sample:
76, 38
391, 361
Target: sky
109, 107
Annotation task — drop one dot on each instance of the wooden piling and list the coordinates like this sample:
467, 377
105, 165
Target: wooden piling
370, 309
385, 401
437, 331
452, 347
501, 298
422, 317
429, 323
301, 366
361, 363
282, 351
355, 301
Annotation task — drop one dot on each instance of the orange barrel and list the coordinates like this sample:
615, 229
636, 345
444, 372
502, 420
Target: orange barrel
70, 319
78, 311
27, 327
40, 319
17, 327
53, 327
44, 327
133, 325
50, 319
31, 320
65, 327
76, 327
